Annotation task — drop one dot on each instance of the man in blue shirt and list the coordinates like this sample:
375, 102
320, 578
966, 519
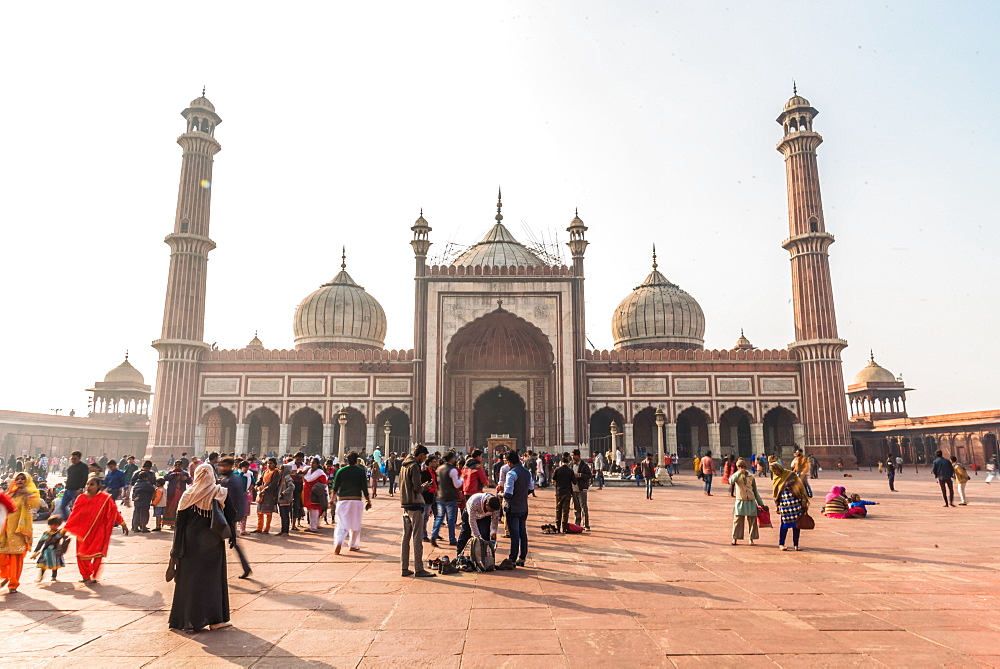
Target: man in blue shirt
517, 486
114, 481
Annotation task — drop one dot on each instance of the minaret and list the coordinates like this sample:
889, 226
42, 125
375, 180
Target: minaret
817, 345
578, 246
421, 244
175, 409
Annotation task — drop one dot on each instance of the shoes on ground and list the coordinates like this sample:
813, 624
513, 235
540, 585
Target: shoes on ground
424, 574
408, 572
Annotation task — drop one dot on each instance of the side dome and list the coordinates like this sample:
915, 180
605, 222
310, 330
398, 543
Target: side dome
340, 315
874, 373
124, 373
657, 315
202, 103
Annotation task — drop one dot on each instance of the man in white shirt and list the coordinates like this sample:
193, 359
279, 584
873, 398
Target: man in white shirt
480, 519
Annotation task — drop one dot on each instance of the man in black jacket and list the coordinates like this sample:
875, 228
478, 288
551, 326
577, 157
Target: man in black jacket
583, 474
944, 472
76, 481
564, 478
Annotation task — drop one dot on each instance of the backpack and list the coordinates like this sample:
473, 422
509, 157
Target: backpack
573, 529
317, 496
481, 554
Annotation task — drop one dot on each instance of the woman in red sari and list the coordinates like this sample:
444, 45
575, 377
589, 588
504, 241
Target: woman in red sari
94, 517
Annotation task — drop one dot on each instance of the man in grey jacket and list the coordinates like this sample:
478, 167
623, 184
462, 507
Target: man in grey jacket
412, 500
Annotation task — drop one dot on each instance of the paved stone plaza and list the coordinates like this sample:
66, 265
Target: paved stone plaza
656, 583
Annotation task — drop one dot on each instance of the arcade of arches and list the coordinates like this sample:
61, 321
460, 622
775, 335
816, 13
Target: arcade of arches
694, 433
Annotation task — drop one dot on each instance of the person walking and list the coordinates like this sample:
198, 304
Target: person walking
748, 501
707, 466
890, 472
129, 471
412, 487
961, 479
581, 484
267, 496
944, 473
392, 467
790, 497
286, 497
802, 467
114, 480
177, 481
314, 494
92, 524
648, 471
563, 477
16, 534
50, 549
349, 485
236, 494
76, 481
142, 493
599, 470
449, 483
198, 556
517, 486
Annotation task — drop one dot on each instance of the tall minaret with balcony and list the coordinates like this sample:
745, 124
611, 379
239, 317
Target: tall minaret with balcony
817, 346
578, 246
175, 409
421, 243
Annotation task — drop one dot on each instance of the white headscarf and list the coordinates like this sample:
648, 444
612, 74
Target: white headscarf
203, 491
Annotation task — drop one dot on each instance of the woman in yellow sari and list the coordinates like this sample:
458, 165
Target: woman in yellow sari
15, 539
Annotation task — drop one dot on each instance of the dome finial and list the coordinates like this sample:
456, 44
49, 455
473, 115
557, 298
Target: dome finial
343, 257
126, 354
203, 90
795, 89
871, 355
499, 216
654, 257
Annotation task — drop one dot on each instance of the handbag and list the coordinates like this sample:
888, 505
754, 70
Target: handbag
805, 522
220, 526
171, 569
763, 517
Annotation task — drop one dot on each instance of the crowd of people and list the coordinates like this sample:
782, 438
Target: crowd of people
466, 501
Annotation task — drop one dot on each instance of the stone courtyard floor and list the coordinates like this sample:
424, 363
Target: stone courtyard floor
656, 583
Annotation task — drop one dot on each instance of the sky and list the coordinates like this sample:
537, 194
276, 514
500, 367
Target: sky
656, 119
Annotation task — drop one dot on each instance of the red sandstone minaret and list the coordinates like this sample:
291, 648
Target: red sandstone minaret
817, 346
172, 425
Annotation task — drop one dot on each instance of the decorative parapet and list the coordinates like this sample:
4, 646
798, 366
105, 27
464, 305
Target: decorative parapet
499, 270
314, 354
695, 355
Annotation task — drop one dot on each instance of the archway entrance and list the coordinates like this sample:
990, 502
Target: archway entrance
220, 431
356, 431
644, 433
499, 379
263, 432
734, 429
307, 432
600, 430
399, 430
779, 433
499, 411
692, 433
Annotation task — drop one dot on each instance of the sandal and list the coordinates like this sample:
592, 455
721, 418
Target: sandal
734, 542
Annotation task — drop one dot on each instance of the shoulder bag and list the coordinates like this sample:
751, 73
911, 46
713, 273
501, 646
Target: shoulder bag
220, 526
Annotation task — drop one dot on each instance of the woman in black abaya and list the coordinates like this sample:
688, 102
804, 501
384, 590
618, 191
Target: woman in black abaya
198, 556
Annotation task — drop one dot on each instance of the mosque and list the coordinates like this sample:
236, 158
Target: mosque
500, 356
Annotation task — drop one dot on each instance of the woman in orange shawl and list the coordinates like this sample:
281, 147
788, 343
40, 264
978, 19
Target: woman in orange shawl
15, 537
94, 517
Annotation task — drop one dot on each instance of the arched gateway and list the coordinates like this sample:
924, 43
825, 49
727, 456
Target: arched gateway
498, 376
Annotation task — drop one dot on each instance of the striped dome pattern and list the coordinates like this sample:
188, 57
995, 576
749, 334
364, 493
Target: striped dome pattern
658, 315
340, 314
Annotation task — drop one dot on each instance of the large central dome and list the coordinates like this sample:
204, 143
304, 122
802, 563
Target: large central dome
498, 249
340, 315
658, 315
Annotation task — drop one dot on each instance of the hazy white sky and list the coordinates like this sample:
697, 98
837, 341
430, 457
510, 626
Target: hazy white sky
341, 120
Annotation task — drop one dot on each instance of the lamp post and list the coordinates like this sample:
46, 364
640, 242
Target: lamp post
342, 442
660, 420
614, 442
387, 429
